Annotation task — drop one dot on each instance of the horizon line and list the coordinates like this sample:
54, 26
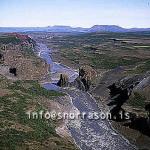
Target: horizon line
69, 26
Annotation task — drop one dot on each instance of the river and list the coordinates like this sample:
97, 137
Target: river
88, 134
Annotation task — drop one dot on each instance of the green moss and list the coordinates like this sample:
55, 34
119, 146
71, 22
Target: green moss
138, 100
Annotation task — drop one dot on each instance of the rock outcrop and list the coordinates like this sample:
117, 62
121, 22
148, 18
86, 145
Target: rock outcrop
122, 90
118, 96
63, 81
131, 95
1, 56
19, 53
86, 75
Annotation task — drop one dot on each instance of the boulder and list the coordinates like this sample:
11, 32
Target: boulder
63, 81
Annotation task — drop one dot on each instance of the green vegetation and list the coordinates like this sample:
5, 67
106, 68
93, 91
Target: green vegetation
17, 130
28, 51
6, 39
34, 90
142, 68
103, 50
16, 113
138, 100
107, 62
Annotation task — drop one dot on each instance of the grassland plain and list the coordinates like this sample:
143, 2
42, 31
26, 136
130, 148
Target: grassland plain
101, 50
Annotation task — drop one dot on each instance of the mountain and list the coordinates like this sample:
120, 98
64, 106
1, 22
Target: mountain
106, 28
22, 29
59, 28
138, 29
66, 29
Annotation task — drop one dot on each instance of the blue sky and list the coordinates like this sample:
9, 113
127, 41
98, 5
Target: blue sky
84, 13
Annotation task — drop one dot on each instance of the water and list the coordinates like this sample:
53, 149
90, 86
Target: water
88, 134
56, 68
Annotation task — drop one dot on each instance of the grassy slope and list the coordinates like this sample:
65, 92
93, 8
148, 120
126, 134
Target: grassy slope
19, 132
16, 98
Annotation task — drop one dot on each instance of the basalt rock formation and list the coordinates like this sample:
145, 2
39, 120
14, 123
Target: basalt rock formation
121, 91
63, 81
86, 75
118, 96
1, 56
131, 95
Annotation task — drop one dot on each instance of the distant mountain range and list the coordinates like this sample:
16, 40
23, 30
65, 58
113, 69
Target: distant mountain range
95, 28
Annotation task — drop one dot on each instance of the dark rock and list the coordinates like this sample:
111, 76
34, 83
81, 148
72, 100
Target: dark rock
86, 75
13, 71
140, 124
147, 108
118, 97
79, 84
1, 57
121, 92
63, 81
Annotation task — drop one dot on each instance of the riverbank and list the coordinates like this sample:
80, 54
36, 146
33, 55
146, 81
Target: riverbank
21, 95
86, 133
104, 55
101, 93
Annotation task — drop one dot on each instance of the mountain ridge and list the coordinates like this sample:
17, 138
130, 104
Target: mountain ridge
63, 28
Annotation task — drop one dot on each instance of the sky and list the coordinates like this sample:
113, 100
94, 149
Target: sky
76, 13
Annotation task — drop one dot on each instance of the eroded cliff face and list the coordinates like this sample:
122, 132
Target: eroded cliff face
32, 68
17, 53
131, 95
124, 92
120, 92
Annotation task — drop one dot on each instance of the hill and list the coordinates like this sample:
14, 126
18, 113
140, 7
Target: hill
60, 28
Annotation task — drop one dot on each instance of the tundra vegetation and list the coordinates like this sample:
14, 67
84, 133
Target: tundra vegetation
20, 94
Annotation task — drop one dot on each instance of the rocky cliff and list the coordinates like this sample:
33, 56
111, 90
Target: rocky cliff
131, 95
17, 52
86, 75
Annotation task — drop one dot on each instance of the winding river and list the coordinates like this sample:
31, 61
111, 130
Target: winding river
87, 134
